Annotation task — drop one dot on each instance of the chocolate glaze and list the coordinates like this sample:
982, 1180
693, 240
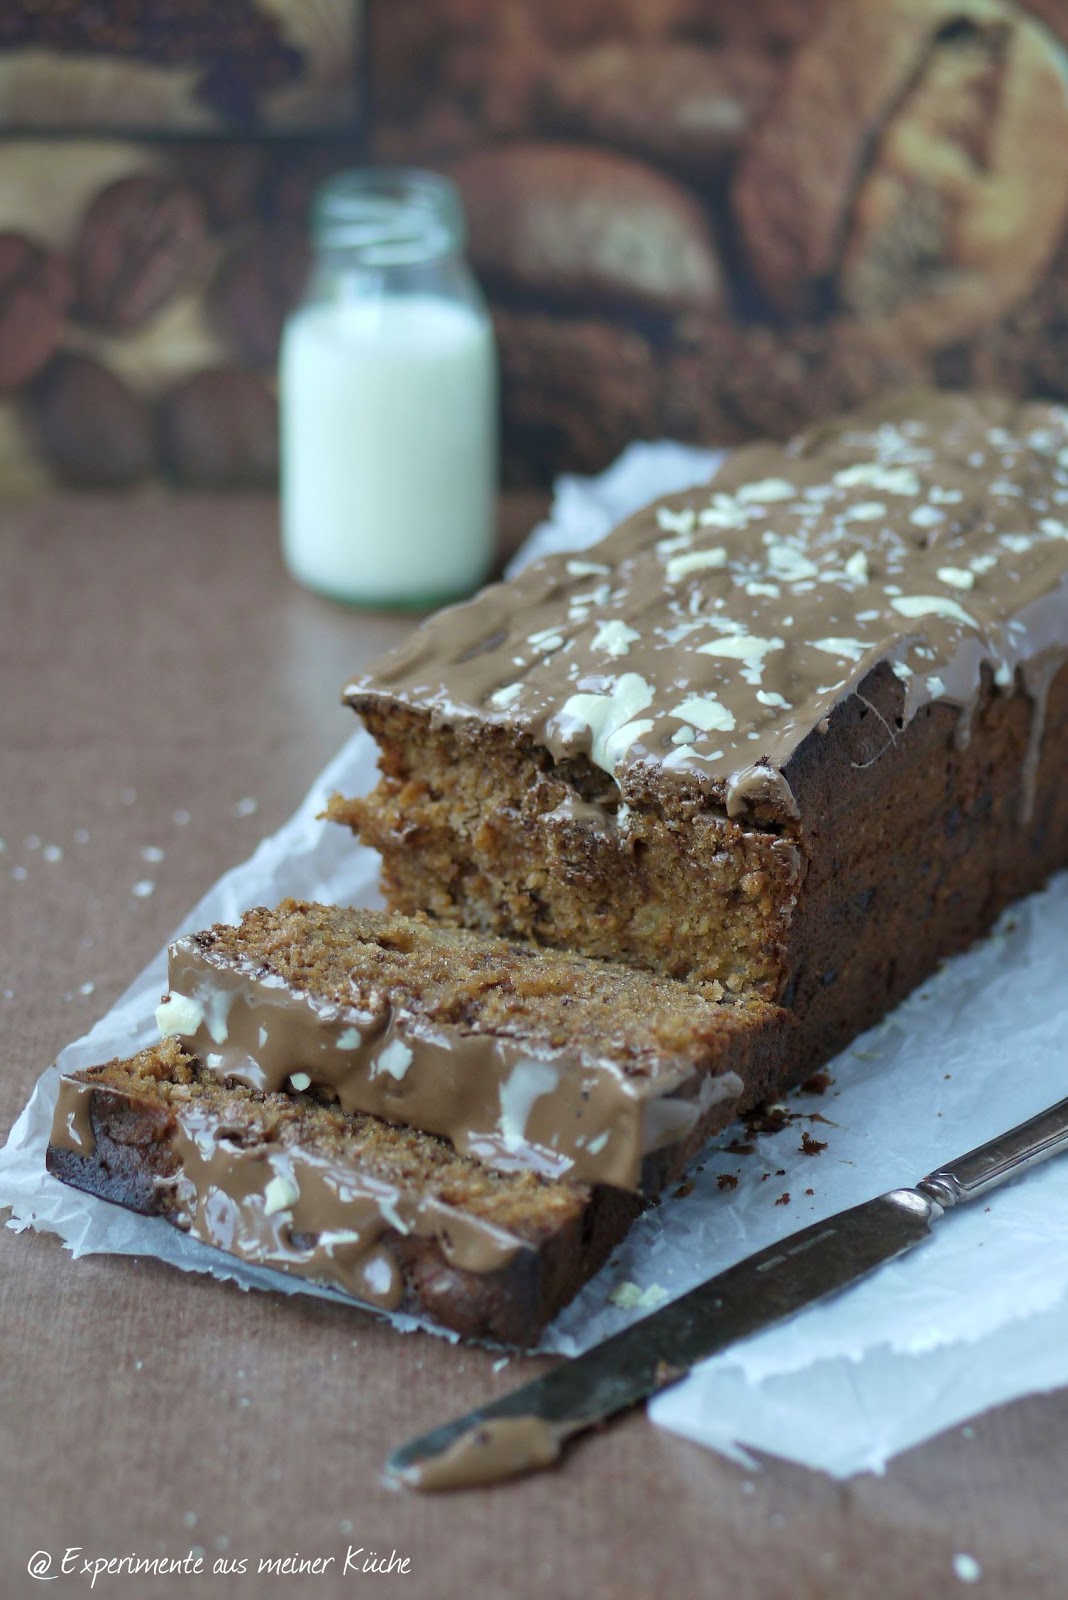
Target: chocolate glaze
505, 1447
72, 1126
294, 1209
510, 1101
723, 625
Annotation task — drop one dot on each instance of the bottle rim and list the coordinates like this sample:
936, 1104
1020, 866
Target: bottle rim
389, 216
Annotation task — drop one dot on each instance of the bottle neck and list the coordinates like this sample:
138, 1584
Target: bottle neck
382, 221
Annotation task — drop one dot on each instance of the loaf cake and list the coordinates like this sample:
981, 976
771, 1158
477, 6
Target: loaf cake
393, 1217
800, 733
520, 1056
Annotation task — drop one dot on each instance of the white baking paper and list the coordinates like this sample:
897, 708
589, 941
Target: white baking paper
976, 1316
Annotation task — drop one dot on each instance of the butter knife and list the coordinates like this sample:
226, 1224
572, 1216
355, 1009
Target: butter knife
527, 1429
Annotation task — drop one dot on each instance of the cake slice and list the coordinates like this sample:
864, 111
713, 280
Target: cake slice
518, 1055
802, 731
395, 1218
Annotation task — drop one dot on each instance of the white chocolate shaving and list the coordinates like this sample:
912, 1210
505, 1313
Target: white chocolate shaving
679, 566
280, 1194
179, 1016
932, 605
611, 718
501, 698
394, 1058
681, 521
850, 649
873, 475
615, 637
764, 490
706, 713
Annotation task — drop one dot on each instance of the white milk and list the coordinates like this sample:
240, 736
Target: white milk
389, 448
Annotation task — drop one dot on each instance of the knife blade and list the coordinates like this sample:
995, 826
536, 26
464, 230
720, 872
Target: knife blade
527, 1429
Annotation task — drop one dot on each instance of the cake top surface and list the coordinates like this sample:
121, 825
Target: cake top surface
454, 983
710, 634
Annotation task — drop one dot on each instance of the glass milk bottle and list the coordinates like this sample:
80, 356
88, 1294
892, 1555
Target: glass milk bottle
388, 394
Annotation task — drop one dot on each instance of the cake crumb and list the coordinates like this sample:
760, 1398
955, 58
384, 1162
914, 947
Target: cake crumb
727, 1180
784, 1199
967, 1568
629, 1297
819, 1083
812, 1147
684, 1189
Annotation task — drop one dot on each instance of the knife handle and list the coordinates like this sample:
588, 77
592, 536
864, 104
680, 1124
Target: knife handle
992, 1164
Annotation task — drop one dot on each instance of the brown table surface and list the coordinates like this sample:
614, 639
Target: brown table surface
155, 658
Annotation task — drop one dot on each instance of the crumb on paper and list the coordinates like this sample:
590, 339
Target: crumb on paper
818, 1083
629, 1297
727, 1180
966, 1567
784, 1199
768, 1119
685, 1188
812, 1147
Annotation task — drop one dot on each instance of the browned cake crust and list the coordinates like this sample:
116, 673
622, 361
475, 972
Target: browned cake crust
871, 624
418, 1228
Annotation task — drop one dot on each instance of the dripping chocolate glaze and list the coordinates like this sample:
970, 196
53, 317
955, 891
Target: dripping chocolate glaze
489, 1452
287, 1206
711, 634
588, 1111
